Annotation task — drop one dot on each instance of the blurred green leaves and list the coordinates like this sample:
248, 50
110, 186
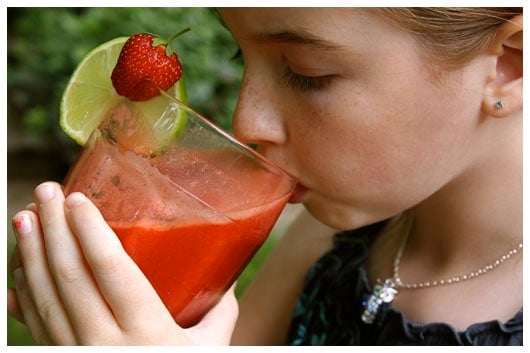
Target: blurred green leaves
44, 46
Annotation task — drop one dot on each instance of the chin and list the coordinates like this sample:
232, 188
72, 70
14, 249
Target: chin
340, 217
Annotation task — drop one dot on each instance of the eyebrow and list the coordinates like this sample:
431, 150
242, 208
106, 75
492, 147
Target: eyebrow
298, 36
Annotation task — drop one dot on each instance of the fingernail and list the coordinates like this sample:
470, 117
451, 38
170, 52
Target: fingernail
44, 192
74, 199
22, 224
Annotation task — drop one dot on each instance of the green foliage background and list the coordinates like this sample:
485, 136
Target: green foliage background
44, 46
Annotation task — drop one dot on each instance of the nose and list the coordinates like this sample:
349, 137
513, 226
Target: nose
257, 118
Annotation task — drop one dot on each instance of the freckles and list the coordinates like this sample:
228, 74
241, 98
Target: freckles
255, 93
255, 99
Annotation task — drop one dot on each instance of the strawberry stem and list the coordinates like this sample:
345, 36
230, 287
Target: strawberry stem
169, 47
178, 34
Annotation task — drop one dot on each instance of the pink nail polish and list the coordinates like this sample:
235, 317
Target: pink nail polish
22, 224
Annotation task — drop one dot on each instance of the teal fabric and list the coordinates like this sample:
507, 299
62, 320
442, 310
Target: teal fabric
329, 309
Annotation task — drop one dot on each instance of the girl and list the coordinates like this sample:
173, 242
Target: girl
403, 127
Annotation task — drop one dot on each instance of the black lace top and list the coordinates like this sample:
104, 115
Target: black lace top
329, 309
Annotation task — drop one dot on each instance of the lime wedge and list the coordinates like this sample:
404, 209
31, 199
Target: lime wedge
89, 93
148, 127
162, 115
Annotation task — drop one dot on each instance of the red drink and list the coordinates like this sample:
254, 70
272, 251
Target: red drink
191, 217
191, 265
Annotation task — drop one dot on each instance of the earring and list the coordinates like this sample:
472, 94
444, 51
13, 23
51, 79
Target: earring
499, 105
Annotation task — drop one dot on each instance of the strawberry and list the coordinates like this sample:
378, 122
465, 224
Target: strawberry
146, 64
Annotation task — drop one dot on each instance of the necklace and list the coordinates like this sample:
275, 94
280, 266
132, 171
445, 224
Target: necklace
386, 292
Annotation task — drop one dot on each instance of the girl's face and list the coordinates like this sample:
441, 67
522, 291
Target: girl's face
342, 100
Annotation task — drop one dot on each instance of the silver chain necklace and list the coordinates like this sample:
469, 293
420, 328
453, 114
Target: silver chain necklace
386, 292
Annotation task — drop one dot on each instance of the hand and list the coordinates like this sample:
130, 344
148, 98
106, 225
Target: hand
75, 284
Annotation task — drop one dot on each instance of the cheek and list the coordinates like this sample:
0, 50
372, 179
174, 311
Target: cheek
335, 152
385, 157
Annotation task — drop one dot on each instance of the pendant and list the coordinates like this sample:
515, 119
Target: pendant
382, 293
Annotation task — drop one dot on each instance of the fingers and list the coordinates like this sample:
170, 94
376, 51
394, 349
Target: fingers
217, 326
138, 309
75, 284
15, 260
29, 311
134, 302
12, 305
37, 295
78, 292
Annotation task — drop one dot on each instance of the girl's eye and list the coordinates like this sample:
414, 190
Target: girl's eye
307, 83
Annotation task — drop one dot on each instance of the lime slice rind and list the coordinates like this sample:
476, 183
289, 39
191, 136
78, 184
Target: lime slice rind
89, 90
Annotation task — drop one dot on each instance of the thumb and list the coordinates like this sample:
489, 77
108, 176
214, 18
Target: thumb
217, 326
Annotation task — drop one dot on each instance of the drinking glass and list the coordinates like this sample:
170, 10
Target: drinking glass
190, 204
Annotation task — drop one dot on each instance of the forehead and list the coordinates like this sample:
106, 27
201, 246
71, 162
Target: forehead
249, 21
282, 14
333, 27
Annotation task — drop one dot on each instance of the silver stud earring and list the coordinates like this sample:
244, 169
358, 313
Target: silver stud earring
499, 105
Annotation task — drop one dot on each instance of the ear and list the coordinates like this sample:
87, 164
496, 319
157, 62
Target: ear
503, 94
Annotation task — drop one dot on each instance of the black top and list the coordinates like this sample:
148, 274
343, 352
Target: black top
329, 309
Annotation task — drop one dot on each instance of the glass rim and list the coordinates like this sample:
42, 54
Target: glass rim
230, 137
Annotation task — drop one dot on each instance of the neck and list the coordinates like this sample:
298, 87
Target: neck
480, 209
471, 222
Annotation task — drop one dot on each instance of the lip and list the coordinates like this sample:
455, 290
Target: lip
298, 194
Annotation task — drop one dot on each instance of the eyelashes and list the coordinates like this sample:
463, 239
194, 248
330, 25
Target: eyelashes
307, 83
297, 81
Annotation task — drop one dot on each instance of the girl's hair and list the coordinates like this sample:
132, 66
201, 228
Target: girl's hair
451, 36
